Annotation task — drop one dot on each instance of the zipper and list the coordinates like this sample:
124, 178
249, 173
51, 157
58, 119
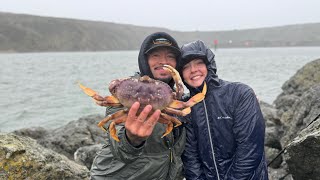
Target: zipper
211, 141
167, 140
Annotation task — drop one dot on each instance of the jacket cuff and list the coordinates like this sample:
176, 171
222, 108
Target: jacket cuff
127, 147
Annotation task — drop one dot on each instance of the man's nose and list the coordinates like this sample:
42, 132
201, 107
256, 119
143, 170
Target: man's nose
163, 60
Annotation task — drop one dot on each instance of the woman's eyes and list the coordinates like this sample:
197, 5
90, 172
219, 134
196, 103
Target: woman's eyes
199, 62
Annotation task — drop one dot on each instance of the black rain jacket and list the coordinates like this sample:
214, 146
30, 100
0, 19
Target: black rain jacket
226, 131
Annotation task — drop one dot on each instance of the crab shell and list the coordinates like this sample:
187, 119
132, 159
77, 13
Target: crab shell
144, 90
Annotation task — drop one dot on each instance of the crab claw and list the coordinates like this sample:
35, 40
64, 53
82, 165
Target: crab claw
177, 79
197, 98
87, 90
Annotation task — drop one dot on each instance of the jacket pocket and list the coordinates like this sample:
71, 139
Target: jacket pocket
105, 163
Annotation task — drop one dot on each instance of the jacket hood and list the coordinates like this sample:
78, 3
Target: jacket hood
198, 49
151, 42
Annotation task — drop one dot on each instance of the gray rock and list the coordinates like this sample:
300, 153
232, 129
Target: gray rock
23, 158
303, 112
271, 154
303, 154
33, 132
86, 154
68, 139
274, 127
303, 80
279, 173
297, 106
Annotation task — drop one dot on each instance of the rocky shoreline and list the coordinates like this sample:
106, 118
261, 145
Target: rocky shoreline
292, 135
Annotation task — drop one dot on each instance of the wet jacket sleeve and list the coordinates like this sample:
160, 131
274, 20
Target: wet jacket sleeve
249, 129
190, 157
122, 150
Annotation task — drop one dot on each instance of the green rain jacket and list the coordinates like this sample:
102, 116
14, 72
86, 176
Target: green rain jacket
158, 158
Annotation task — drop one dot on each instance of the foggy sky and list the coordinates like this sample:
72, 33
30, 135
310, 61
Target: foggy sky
180, 15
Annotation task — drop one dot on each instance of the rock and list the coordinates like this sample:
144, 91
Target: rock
279, 173
24, 158
271, 154
296, 107
303, 80
302, 155
33, 132
284, 103
86, 154
270, 113
68, 139
303, 112
274, 127
274, 131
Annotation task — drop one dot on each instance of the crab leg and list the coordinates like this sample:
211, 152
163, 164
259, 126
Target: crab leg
191, 102
178, 112
169, 125
112, 127
120, 117
166, 119
171, 119
87, 90
197, 98
112, 116
102, 101
177, 79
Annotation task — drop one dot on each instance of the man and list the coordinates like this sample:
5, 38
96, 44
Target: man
141, 152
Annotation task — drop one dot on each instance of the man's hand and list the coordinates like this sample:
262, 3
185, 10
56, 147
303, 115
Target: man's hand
139, 127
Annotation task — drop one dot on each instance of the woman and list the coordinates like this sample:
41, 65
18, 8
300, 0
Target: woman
225, 133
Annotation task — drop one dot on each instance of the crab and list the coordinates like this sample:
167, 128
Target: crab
145, 90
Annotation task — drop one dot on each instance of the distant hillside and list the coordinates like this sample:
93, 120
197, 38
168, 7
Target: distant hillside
26, 33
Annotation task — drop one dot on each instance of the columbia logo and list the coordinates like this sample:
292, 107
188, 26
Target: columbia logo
224, 117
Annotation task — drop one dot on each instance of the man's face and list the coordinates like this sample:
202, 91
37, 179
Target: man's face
159, 57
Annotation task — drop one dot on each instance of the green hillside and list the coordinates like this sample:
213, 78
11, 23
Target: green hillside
26, 33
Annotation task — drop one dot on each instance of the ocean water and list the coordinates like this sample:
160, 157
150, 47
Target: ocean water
40, 89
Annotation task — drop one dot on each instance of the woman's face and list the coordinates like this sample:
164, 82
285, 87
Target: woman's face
195, 72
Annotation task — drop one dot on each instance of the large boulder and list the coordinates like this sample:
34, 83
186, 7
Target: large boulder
302, 136
24, 158
303, 80
68, 139
303, 153
302, 113
297, 106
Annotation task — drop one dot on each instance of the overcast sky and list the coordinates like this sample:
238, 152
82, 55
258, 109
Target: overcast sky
180, 15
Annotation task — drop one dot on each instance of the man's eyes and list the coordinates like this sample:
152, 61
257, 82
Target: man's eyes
171, 56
